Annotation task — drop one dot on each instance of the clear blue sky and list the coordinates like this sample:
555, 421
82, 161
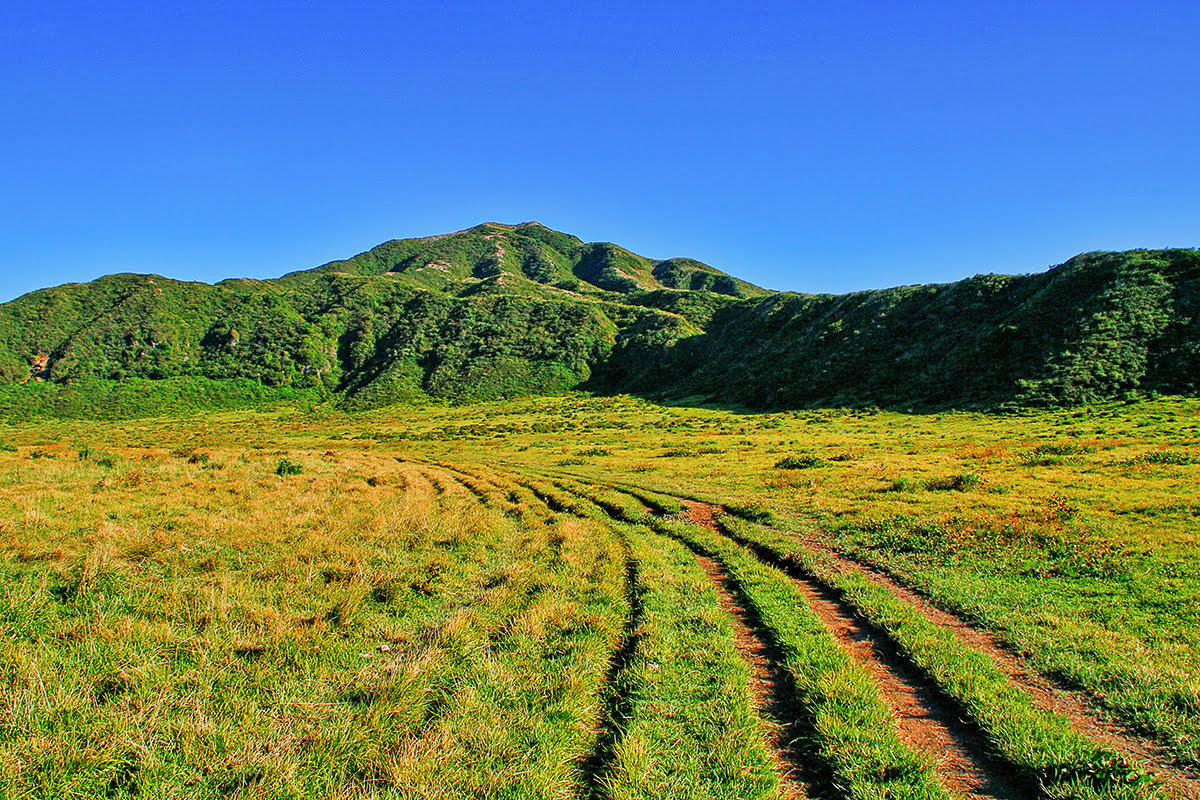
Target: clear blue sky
813, 146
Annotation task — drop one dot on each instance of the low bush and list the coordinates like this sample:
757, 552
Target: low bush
799, 462
286, 466
1175, 458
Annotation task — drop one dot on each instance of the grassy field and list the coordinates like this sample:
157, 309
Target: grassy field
585, 597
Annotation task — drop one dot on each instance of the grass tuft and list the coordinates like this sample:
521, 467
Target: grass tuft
284, 466
799, 462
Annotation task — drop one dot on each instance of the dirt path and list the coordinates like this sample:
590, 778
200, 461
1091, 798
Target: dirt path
772, 690
1047, 695
771, 687
927, 719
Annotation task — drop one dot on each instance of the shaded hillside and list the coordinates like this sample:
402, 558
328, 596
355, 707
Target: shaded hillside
1098, 326
502, 310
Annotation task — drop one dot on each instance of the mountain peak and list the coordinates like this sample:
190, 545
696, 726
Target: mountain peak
501, 310
534, 255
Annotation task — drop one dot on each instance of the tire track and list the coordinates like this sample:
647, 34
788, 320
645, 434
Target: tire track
1048, 695
487, 489
772, 688
595, 765
928, 720
438, 482
618, 705
466, 482
509, 492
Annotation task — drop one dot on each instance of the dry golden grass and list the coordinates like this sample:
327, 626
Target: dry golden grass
180, 619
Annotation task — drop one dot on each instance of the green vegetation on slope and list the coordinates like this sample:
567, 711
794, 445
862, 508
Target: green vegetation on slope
501, 311
1098, 326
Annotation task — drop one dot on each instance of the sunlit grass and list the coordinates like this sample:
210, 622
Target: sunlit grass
183, 616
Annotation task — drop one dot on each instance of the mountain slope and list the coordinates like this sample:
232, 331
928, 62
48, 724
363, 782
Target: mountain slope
1098, 326
506, 310
529, 252
494, 311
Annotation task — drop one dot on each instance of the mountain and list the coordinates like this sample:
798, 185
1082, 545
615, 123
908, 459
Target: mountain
1099, 326
506, 310
529, 254
493, 311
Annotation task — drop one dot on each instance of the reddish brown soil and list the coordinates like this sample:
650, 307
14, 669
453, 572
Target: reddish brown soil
702, 514
1046, 694
769, 685
926, 719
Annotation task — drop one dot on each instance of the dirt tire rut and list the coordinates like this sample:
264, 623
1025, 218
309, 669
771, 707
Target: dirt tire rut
927, 719
771, 687
1047, 694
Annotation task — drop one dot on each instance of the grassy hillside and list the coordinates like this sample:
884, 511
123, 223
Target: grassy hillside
532, 253
502, 311
1101, 325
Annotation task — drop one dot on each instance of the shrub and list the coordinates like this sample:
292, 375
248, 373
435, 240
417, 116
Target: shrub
799, 462
287, 467
1176, 458
1054, 454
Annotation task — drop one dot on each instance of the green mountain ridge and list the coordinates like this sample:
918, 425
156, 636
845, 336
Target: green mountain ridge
527, 253
507, 310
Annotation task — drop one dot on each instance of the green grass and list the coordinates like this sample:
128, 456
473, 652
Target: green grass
1137, 668
1064, 762
179, 619
690, 732
163, 665
855, 732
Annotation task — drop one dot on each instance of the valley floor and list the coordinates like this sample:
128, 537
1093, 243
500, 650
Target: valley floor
602, 598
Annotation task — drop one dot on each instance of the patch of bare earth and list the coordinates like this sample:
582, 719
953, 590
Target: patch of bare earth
927, 719
1048, 695
770, 687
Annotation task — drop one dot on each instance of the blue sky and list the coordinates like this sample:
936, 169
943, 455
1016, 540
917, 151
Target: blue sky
811, 146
